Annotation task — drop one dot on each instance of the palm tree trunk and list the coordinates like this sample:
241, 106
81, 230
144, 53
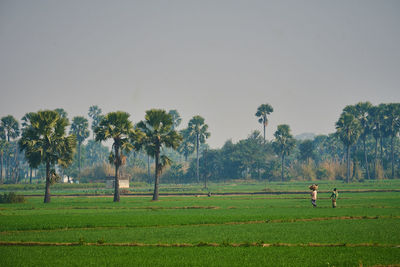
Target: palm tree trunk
348, 164
79, 160
30, 175
148, 168
116, 181
366, 159
47, 190
197, 155
157, 176
283, 161
264, 130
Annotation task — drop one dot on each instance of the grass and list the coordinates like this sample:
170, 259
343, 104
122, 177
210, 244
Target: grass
217, 230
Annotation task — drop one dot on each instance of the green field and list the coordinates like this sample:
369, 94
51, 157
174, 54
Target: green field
222, 230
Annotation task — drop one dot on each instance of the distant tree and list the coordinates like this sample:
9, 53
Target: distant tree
11, 130
44, 141
306, 150
376, 117
198, 130
176, 118
3, 147
187, 145
79, 128
262, 112
348, 129
391, 125
361, 112
283, 144
96, 153
116, 126
152, 133
96, 116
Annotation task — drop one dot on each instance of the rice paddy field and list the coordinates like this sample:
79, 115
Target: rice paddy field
277, 226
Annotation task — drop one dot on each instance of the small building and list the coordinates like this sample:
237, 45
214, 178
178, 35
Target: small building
123, 182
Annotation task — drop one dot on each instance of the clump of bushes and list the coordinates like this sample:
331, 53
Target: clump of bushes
11, 198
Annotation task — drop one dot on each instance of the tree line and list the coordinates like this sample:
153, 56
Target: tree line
365, 146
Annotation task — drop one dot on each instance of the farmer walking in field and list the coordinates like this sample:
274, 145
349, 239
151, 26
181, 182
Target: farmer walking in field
334, 196
314, 188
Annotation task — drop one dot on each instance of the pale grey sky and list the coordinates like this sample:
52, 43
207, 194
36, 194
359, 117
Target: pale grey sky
218, 59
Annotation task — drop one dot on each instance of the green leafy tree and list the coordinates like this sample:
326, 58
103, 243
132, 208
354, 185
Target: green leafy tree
198, 130
44, 140
348, 129
11, 130
79, 128
153, 133
118, 127
262, 113
283, 144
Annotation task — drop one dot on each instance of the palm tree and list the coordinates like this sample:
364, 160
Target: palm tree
44, 141
62, 113
152, 133
79, 128
262, 112
348, 129
176, 118
95, 114
187, 146
392, 126
25, 123
116, 126
376, 118
283, 144
11, 130
198, 130
361, 112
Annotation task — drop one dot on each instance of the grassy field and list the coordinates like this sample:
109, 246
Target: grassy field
238, 230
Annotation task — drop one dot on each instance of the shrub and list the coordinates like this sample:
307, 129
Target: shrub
11, 198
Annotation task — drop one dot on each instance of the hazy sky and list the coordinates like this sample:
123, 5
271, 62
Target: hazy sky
218, 59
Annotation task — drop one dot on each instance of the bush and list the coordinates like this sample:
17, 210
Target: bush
11, 198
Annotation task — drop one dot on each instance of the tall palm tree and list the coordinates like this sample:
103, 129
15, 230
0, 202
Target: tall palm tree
392, 126
262, 112
25, 123
44, 141
198, 130
116, 126
283, 144
79, 128
11, 129
152, 133
348, 129
361, 112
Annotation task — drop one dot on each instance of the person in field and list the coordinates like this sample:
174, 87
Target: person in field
334, 196
314, 188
